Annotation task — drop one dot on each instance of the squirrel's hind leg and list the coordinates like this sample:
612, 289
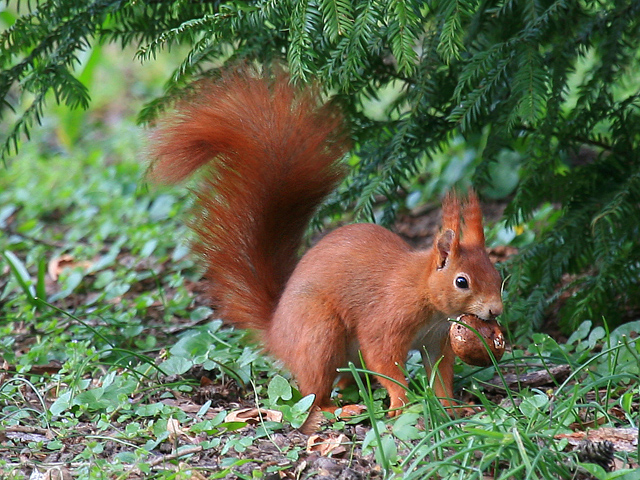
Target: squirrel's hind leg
311, 341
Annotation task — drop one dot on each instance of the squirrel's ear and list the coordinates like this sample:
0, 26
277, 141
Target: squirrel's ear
445, 244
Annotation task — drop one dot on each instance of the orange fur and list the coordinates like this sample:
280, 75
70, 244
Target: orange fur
271, 154
472, 232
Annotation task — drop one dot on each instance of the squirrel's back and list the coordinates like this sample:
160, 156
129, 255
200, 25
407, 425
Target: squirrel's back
272, 155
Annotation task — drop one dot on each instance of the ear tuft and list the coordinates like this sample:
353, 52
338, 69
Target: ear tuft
451, 212
472, 231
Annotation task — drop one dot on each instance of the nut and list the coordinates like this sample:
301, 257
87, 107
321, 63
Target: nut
469, 347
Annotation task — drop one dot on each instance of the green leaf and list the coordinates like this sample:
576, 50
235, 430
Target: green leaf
54, 445
534, 405
404, 24
41, 291
21, 274
61, 404
176, 365
71, 282
387, 451
338, 18
303, 405
279, 388
454, 13
581, 333
405, 427
530, 85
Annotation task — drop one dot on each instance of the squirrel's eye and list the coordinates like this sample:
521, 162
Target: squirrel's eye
462, 282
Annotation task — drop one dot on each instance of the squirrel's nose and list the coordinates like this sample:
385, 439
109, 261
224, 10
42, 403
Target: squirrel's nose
495, 311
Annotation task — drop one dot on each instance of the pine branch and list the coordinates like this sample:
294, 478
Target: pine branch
543, 79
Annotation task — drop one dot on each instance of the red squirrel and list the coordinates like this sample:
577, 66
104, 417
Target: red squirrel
271, 154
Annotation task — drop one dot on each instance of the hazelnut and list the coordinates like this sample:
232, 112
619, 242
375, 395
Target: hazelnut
469, 347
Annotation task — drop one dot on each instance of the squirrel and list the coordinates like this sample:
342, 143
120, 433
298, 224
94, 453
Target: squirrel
271, 153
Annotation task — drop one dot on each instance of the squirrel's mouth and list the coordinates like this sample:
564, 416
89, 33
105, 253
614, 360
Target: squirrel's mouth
459, 318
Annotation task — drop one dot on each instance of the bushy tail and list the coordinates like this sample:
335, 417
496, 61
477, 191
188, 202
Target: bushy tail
271, 155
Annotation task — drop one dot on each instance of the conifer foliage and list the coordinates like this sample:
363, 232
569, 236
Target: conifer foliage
555, 79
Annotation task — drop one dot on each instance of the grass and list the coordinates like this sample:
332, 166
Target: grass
106, 331
102, 328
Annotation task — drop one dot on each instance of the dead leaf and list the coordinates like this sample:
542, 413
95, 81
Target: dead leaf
177, 432
312, 423
190, 407
57, 264
590, 424
618, 412
316, 417
254, 416
326, 446
352, 410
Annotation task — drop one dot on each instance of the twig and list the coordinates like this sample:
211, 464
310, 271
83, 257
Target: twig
175, 456
26, 429
532, 379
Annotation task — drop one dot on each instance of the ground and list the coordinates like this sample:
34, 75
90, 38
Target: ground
183, 410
